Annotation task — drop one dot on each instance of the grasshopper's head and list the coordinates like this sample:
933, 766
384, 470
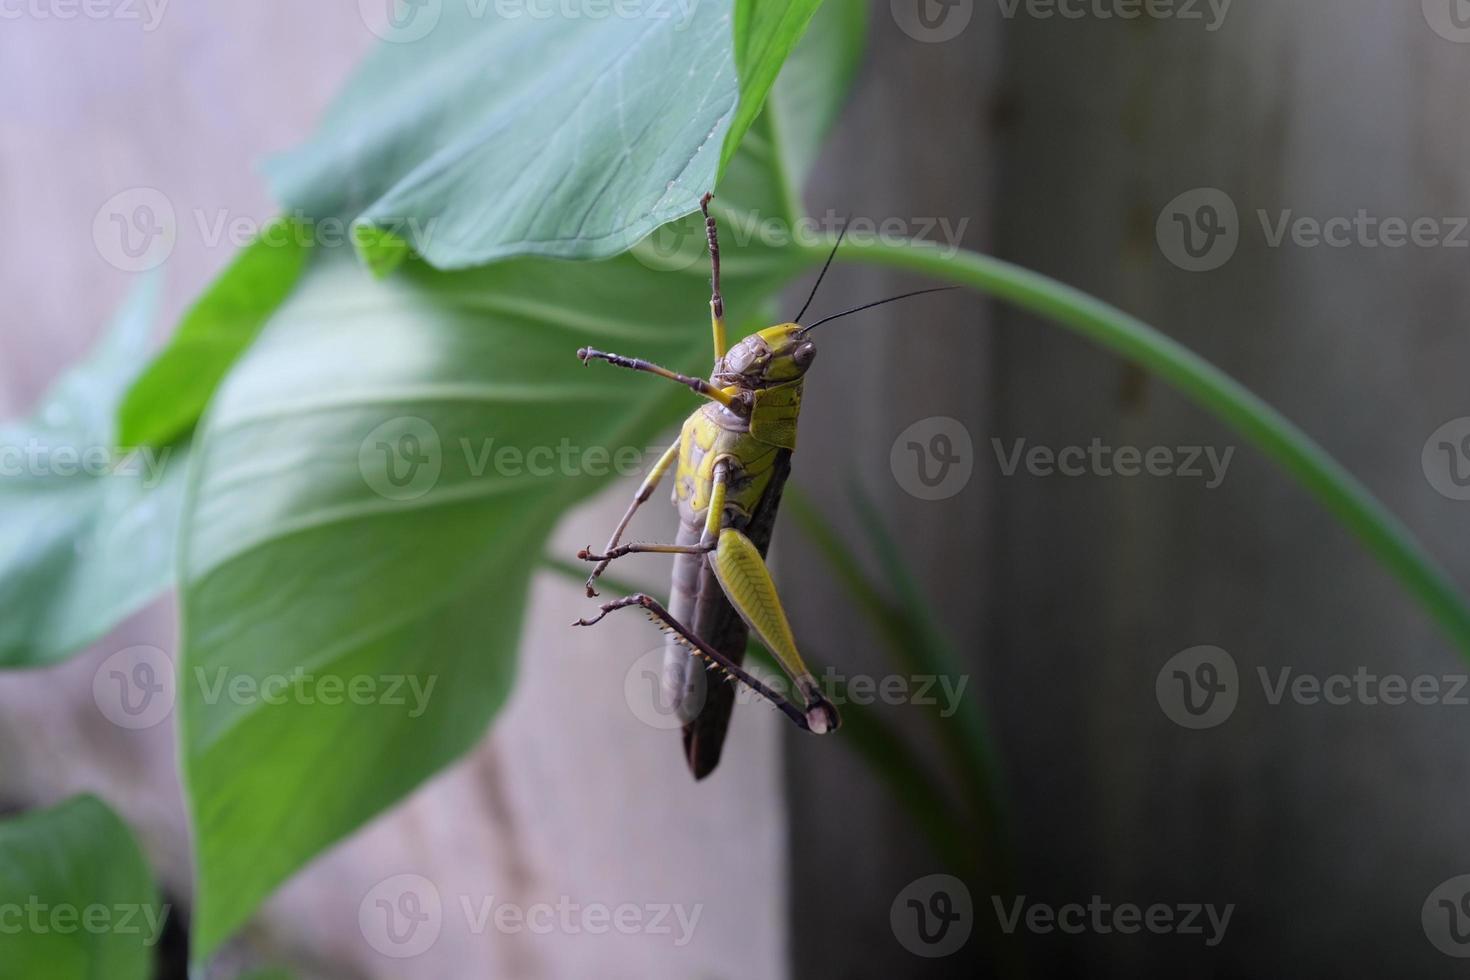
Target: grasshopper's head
775, 356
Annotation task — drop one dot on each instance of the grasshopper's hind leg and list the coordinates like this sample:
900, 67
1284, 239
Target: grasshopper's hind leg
743, 575
659, 614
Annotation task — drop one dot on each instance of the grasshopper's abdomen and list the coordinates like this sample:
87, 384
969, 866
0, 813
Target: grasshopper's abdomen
756, 473
681, 688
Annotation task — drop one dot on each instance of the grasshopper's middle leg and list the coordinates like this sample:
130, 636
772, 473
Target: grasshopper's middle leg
707, 541
650, 484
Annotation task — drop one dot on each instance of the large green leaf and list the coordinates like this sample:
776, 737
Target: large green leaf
78, 898
493, 136
86, 529
303, 550
478, 136
356, 514
168, 398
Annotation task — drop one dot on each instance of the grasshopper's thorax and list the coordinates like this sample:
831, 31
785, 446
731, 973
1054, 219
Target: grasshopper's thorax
766, 372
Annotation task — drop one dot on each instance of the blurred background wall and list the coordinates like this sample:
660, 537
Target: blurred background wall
1065, 141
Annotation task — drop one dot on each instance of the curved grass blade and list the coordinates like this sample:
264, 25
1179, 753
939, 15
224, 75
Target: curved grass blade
1344, 496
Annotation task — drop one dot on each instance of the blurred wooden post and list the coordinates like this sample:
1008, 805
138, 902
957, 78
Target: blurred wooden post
913, 146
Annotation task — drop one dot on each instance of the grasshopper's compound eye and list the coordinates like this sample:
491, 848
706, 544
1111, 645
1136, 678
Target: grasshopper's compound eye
804, 354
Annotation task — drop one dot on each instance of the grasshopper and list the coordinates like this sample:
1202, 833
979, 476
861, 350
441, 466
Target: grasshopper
731, 461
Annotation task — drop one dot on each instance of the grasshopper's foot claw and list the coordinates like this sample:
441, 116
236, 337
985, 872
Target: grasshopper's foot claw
821, 716
585, 554
591, 622
584, 354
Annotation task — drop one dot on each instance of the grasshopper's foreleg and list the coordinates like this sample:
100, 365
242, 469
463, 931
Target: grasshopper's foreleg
747, 584
657, 612
697, 385
716, 301
650, 484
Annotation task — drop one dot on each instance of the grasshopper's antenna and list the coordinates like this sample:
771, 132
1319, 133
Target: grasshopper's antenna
869, 306
821, 275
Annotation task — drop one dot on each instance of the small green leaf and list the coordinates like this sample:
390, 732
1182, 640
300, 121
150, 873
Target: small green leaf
766, 31
814, 85
166, 401
382, 250
86, 528
79, 899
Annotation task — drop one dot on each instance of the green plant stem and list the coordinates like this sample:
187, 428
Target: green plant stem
1344, 496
